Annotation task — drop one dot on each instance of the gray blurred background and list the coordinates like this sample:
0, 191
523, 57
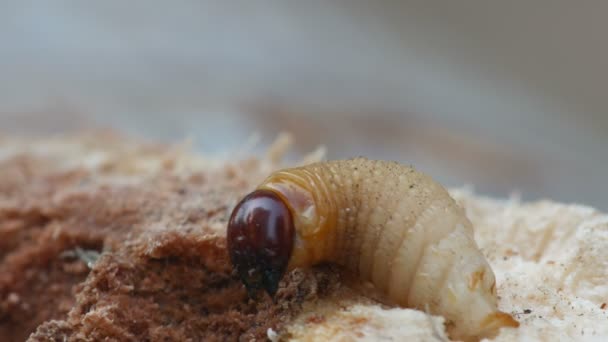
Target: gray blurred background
504, 96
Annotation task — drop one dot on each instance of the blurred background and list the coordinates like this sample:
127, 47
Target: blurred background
504, 96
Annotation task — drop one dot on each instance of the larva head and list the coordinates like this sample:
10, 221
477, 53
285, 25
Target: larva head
260, 240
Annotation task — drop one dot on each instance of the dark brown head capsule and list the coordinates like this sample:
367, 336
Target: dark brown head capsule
260, 240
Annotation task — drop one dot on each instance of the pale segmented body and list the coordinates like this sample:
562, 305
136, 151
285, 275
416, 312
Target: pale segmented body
397, 228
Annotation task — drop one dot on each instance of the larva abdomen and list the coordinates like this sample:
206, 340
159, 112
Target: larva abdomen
386, 200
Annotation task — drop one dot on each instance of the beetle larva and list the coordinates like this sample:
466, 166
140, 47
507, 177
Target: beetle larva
392, 225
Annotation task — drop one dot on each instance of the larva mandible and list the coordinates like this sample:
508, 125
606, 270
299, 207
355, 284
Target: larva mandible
392, 225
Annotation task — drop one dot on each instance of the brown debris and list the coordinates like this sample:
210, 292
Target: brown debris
162, 273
